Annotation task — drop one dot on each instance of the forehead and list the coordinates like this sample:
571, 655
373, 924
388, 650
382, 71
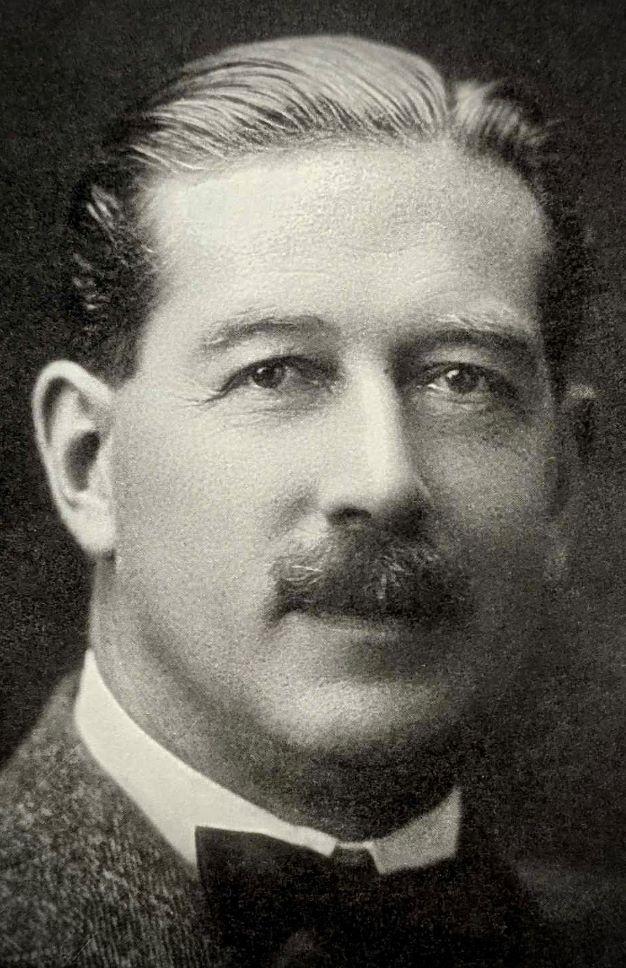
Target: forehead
351, 231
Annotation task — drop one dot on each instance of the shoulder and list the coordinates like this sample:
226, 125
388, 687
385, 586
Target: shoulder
83, 877
530, 916
579, 915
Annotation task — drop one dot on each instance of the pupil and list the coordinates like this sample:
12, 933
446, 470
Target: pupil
269, 376
462, 380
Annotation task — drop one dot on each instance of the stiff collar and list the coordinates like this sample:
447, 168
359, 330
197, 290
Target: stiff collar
176, 798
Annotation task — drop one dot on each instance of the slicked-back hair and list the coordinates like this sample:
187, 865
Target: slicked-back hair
268, 97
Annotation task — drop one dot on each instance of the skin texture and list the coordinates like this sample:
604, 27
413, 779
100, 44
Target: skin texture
375, 271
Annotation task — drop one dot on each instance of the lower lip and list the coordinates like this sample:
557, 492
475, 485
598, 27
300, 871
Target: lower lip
350, 627
355, 649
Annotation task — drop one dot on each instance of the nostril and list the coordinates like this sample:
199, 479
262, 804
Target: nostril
408, 522
349, 513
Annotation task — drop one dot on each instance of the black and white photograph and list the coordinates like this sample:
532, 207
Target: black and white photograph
312, 480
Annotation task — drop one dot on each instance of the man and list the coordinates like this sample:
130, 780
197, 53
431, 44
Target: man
317, 437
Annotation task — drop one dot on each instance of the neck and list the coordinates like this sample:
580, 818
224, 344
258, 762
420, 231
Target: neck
352, 800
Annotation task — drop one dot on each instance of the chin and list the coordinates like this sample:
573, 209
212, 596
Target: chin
373, 721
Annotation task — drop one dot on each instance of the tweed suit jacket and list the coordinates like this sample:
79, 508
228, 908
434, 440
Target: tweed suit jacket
85, 880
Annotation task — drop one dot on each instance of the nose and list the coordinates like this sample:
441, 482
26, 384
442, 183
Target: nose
370, 464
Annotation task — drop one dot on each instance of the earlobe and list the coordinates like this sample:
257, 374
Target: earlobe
72, 413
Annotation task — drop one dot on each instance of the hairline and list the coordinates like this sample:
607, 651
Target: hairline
179, 132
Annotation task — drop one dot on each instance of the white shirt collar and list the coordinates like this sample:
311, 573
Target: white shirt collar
176, 798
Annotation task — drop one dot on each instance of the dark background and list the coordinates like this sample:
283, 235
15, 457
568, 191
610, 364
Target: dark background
65, 68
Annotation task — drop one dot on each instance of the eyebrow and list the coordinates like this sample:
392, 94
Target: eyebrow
492, 330
489, 330
245, 327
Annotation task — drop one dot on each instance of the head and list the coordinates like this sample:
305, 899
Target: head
317, 432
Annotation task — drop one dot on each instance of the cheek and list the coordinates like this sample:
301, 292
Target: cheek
495, 498
181, 484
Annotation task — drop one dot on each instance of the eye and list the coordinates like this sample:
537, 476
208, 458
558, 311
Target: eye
268, 376
463, 380
281, 374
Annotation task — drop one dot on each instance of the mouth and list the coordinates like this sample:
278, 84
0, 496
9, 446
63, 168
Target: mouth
355, 620
350, 646
352, 626
383, 621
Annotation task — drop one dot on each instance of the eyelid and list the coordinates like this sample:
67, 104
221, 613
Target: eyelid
428, 370
298, 361
498, 384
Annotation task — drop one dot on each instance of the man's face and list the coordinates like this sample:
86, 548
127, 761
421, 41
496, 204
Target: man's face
344, 376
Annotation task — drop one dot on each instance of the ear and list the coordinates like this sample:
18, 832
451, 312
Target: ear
72, 413
576, 419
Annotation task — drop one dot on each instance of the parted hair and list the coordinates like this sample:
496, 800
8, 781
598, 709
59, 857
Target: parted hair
268, 97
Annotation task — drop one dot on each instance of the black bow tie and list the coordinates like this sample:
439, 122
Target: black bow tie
281, 905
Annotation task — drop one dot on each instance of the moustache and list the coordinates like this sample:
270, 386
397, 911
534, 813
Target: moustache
372, 574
